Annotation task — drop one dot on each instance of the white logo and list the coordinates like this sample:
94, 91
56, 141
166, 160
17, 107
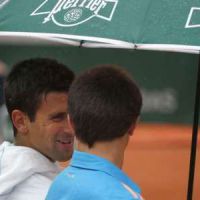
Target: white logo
193, 20
69, 13
3, 3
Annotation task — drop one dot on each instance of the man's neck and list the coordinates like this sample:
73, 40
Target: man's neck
21, 141
112, 151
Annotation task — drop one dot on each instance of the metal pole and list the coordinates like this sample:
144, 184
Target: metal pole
194, 136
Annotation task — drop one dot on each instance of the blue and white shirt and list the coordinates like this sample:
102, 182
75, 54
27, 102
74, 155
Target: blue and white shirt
90, 177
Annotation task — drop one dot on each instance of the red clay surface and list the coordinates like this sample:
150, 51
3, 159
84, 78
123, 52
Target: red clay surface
157, 158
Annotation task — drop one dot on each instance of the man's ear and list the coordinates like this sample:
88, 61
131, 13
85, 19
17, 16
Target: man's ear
70, 122
19, 120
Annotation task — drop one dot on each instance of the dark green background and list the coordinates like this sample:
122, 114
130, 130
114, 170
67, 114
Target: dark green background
157, 73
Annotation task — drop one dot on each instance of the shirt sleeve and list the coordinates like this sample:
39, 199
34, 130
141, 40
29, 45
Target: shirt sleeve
34, 188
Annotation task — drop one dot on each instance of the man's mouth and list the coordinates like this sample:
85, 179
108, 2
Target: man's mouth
65, 142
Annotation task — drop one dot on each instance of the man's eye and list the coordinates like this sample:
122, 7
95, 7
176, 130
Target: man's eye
58, 118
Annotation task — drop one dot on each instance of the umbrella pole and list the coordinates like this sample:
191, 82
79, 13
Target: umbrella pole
194, 136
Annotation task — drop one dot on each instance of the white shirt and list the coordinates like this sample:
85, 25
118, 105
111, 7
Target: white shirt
25, 174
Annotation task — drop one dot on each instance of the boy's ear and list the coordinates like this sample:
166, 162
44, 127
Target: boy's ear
70, 122
20, 121
132, 128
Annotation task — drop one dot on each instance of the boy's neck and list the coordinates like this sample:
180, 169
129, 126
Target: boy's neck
112, 150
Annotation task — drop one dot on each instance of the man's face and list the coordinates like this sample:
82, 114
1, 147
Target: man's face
49, 133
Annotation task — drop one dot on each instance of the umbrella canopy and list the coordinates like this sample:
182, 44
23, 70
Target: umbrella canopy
162, 25
145, 24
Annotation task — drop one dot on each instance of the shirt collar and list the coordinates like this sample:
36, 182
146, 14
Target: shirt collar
93, 162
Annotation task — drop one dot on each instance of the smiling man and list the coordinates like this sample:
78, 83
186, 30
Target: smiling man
36, 93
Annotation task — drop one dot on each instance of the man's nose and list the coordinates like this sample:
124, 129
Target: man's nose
67, 128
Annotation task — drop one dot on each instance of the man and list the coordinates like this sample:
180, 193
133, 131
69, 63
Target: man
36, 93
104, 105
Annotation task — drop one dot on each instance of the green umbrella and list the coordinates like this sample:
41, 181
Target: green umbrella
130, 24
161, 25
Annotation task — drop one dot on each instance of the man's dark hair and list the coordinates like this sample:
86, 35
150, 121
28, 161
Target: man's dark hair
103, 104
30, 80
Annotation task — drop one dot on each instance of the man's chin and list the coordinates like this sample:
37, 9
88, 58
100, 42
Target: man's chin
64, 158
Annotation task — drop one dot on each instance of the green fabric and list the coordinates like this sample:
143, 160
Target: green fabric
135, 21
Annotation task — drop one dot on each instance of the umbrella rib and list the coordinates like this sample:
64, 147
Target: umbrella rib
97, 42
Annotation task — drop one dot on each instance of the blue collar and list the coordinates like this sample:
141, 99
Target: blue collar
90, 161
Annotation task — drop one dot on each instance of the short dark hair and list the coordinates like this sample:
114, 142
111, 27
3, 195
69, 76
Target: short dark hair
103, 104
30, 79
